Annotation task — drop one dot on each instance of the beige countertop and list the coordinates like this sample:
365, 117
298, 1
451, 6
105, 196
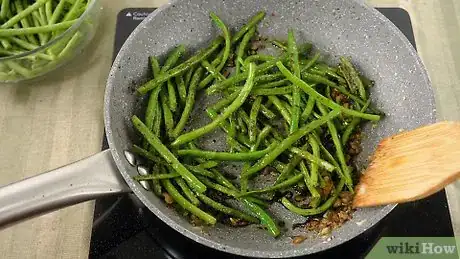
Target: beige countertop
58, 120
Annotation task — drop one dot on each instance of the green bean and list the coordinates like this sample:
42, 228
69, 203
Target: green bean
156, 176
287, 143
267, 112
225, 101
20, 15
324, 100
189, 103
200, 171
253, 119
172, 96
156, 82
212, 70
226, 210
232, 126
313, 158
34, 30
188, 193
25, 22
353, 124
309, 212
225, 127
258, 57
274, 91
167, 114
310, 63
220, 188
184, 203
280, 107
295, 161
73, 12
227, 38
144, 153
208, 164
222, 180
251, 23
244, 116
242, 48
223, 116
168, 156
264, 218
241, 125
352, 77
57, 12
240, 77
294, 62
189, 74
268, 78
307, 179
279, 44
4, 9
338, 148
234, 144
225, 156
158, 117
181, 89
314, 166
288, 183
272, 84
173, 58
205, 82
261, 137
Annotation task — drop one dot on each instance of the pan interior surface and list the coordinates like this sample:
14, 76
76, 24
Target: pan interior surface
336, 28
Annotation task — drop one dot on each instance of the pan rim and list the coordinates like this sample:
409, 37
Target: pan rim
227, 248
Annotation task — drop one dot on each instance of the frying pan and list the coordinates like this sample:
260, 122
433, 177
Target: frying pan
336, 27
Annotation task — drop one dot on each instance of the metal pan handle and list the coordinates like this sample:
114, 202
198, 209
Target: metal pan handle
87, 179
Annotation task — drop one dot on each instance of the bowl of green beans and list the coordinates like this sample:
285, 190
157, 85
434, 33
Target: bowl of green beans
37, 37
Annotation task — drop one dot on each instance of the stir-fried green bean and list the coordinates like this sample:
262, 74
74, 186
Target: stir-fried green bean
279, 114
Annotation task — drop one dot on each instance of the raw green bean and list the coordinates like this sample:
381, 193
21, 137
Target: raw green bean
313, 158
188, 193
4, 9
242, 48
184, 203
287, 143
181, 89
294, 62
314, 166
73, 12
225, 156
226, 210
324, 100
309, 212
156, 82
189, 103
252, 128
274, 91
25, 23
352, 77
172, 96
20, 15
353, 124
34, 30
168, 156
227, 38
212, 70
57, 12
251, 23
338, 148
288, 183
280, 107
265, 219
224, 115
156, 176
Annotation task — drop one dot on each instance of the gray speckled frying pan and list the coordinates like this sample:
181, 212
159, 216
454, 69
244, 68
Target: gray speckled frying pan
337, 27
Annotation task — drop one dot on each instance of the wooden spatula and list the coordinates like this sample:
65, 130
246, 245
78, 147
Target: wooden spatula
411, 166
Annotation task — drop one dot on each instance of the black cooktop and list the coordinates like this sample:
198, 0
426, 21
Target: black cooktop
123, 228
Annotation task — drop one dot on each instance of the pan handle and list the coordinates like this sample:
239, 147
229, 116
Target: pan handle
87, 179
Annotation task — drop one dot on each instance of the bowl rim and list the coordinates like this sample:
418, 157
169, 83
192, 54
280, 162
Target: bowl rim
90, 5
